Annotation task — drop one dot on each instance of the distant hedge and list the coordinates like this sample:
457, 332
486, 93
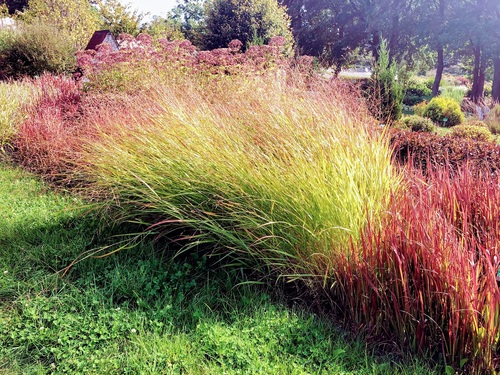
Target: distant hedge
429, 151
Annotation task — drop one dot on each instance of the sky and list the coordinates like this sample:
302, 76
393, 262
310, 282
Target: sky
153, 7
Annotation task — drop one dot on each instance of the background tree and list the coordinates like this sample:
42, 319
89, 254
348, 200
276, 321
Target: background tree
250, 21
15, 5
160, 27
76, 17
119, 18
495, 93
329, 30
189, 17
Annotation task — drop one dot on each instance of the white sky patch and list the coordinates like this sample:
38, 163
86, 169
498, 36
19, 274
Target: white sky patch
153, 7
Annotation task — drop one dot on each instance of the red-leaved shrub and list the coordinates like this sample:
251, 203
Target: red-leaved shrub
429, 151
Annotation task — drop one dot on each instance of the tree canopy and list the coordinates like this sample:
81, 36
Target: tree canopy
250, 21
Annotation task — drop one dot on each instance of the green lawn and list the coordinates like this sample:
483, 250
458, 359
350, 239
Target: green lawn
137, 312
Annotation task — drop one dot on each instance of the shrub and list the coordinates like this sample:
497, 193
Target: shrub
493, 120
134, 69
35, 49
455, 93
478, 133
385, 93
416, 92
439, 109
431, 152
416, 123
477, 123
419, 108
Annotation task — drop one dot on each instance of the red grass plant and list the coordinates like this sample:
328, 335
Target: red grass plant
427, 280
49, 133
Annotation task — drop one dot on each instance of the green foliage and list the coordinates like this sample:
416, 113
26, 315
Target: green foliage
439, 109
75, 19
36, 48
251, 22
164, 28
416, 92
119, 18
478, 133
455, 93
386, 93
416, 123
188, 17
140, 312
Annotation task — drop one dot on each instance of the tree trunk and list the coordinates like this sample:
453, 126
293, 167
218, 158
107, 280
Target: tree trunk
375, 45
496, 80
478, 76
439, 71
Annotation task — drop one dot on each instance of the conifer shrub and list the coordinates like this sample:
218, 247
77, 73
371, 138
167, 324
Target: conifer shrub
416, 92
385, 92
440, 109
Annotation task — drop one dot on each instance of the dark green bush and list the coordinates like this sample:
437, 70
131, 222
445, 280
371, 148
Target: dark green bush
430, 151
478, 133
440, 109
385, 93
416, 92
416, 123
37, 48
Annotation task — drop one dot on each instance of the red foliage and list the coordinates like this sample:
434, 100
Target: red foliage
426, 279
48, 136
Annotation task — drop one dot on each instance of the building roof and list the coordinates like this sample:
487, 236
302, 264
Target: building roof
100, 37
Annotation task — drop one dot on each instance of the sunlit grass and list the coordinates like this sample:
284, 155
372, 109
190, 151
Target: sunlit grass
13, 95
139, 312
285, 176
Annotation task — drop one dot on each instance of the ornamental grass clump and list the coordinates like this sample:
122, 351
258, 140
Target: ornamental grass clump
276, 174
13, 97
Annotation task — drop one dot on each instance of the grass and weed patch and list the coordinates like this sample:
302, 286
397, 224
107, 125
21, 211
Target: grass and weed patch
137, 311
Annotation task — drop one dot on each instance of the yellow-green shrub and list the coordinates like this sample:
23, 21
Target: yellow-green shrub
440, 109
478, 133
416, 123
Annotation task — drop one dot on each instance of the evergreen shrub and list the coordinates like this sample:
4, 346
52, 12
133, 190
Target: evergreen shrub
440, 109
